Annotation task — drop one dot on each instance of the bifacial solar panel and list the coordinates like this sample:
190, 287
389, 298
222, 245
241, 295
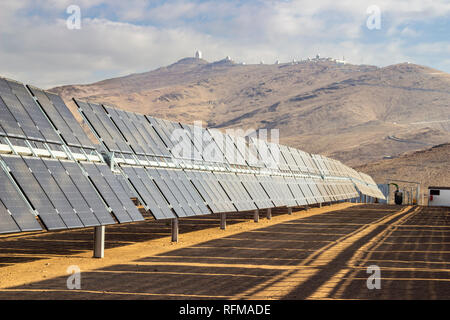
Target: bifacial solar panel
161, 131
215, 190
139, 134
299, 197
108, 195
122, 124
8, 123
148, 192
35, 113
255, 190
317, 190
88, 192
21, 115
157, 144
154, 146
184, 146
206, 193
171, 193
34, 193
7, 223
268, 185
54, 193
73, 195
176, 194
231, 192
16, 205
243, 193
103, 126
181, 180
287, 195
212, 182
120, 192
236, 191
116, 137
304, 187
62, 118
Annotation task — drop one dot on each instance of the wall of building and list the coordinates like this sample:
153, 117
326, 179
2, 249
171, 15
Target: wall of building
442, 200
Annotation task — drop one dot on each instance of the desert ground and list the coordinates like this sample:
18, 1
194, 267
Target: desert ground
319, 253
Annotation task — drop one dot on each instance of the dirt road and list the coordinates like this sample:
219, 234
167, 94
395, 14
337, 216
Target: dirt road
322, 253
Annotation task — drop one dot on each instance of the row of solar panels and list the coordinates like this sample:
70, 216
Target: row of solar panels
55, 173
118, 131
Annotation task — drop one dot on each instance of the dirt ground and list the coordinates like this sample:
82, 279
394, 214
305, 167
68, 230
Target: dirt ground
321, 253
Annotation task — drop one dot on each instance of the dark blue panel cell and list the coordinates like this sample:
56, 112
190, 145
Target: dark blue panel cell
7, 224
89, 194
34, 193
54, 193
107, 193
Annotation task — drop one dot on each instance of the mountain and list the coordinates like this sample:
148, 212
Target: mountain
355, 113
430, 167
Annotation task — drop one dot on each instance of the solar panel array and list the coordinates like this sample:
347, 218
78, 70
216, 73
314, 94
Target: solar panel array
226, 173
54, 177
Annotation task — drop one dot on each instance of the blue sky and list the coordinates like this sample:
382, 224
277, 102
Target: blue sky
121, 37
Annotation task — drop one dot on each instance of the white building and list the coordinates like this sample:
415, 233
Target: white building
198, 55
439, 196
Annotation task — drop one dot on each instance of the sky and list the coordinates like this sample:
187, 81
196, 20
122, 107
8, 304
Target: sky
47, 43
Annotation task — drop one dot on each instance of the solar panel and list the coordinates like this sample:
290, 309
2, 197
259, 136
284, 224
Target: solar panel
7, 224
171, 194
120, 192
196, 143
158, 193
34, 192
236, 191
191, 194
148, 192
107, 193
287, 195
98, 122
316, 192
304, 187
327, 190
16, 205
255, 190
122, 124
141, 129
179, 192
61, 118
296, 190
183, 146
212, 182
161, 130
130, 192
230, 191
33, 110
88, 192
73, 195
54, 193
21, 116
8, 122
206, 193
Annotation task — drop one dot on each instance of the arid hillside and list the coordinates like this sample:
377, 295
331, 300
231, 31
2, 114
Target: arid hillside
430, 167
355, 113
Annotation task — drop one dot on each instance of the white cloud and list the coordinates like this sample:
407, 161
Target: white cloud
126, 37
